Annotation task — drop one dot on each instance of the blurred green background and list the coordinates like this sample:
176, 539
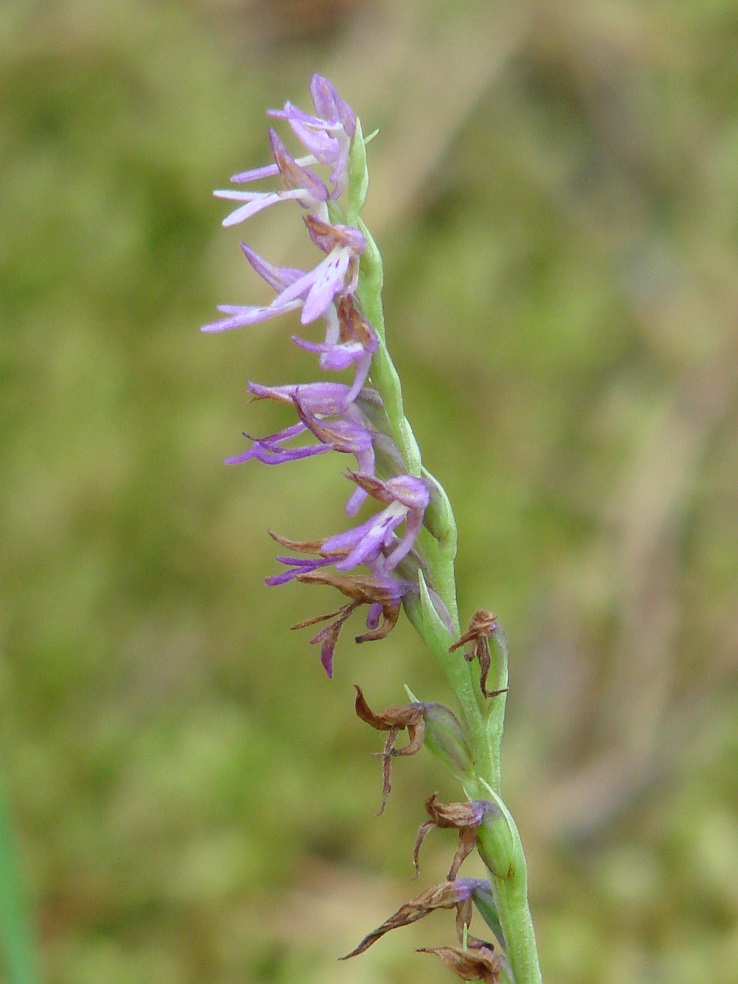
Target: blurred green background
554, 190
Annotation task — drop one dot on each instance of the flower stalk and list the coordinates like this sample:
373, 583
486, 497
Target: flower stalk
402, 555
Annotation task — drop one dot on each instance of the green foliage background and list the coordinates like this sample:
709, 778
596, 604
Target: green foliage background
554, 191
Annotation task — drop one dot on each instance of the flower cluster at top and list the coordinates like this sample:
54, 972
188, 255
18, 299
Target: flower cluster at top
348, 417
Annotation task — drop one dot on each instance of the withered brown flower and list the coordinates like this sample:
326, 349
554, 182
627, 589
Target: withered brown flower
472, 964
383, 595
481, 627
393, 719
464, 817
447, 895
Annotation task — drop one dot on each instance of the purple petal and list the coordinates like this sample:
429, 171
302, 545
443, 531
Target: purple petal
330, 105
268, 450
317, 398
277, 277
255, 174
347, 540
326, 655
300, 566
409, 490
256, 202
355, 502
373, 616
335, 357
328, 280
242, 315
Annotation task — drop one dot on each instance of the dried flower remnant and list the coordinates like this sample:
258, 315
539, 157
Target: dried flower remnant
393, 719
448, 895
482, 625
383, 595
464, 817
479, 963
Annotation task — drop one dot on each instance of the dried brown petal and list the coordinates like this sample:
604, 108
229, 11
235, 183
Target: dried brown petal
477, 964
405, 715
354, 325
328, 637
360, 587
481, 627
464, 817
444, 896
376, 488
302, 546
334, 235
365, 590
390, 614
393, 719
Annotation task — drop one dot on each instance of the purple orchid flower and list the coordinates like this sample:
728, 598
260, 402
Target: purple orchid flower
326, 135
300, 184
328, 399
374, 542
349, 338
313, 290
347, 431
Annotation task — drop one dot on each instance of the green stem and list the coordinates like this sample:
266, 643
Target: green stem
500, 845
502, 851
484, 726
384, 376
15, 931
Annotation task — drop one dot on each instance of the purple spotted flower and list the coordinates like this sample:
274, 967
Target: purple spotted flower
313, 290
347, 416
326, 413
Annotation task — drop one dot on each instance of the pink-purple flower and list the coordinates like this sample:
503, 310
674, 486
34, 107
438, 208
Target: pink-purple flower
343, 416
